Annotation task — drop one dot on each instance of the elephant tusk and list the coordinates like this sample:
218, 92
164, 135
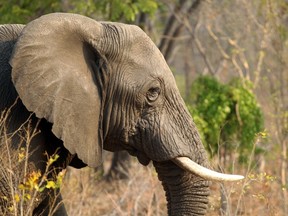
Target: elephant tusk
190, 166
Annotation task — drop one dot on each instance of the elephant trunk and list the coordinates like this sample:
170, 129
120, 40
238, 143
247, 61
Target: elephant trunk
186, 194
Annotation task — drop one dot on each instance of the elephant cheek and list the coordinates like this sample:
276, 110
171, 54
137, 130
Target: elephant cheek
163, 141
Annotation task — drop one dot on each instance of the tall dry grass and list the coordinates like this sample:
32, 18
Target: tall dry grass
86, 192
22, 185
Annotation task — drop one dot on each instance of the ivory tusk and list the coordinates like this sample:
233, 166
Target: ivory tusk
190, 166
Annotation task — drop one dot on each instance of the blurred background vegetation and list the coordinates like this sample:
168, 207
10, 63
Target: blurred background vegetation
229, 58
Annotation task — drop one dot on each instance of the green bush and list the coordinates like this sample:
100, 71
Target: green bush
226, 114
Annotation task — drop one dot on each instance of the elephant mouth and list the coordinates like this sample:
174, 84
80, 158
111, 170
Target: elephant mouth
190, 166
142, 157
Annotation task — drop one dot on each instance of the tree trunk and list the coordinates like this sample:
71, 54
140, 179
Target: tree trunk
120, 166
174, 28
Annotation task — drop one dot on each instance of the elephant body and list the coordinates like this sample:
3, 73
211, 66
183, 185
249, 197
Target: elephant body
85, 86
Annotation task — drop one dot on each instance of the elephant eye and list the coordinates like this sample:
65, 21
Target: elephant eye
153, 94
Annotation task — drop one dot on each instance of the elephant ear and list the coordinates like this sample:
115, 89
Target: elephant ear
55, 69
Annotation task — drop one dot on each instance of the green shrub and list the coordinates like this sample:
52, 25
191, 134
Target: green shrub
226, 114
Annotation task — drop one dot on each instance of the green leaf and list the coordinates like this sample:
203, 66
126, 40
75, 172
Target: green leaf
228, 113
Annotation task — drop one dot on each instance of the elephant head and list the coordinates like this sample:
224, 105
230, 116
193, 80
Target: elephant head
106, 86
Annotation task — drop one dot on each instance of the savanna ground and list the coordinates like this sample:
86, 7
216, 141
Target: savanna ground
85, 192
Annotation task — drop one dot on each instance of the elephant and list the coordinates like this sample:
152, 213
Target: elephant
88, 86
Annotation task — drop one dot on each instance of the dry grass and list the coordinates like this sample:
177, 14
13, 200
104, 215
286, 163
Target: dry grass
22, 186
86, 193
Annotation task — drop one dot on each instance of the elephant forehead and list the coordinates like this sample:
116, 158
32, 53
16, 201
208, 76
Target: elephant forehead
146, 54
141, 61
143, 66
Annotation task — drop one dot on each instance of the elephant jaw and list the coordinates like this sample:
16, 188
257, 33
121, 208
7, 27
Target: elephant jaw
192, 167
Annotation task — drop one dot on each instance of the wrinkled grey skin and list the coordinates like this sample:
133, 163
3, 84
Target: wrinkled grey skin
98, 86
